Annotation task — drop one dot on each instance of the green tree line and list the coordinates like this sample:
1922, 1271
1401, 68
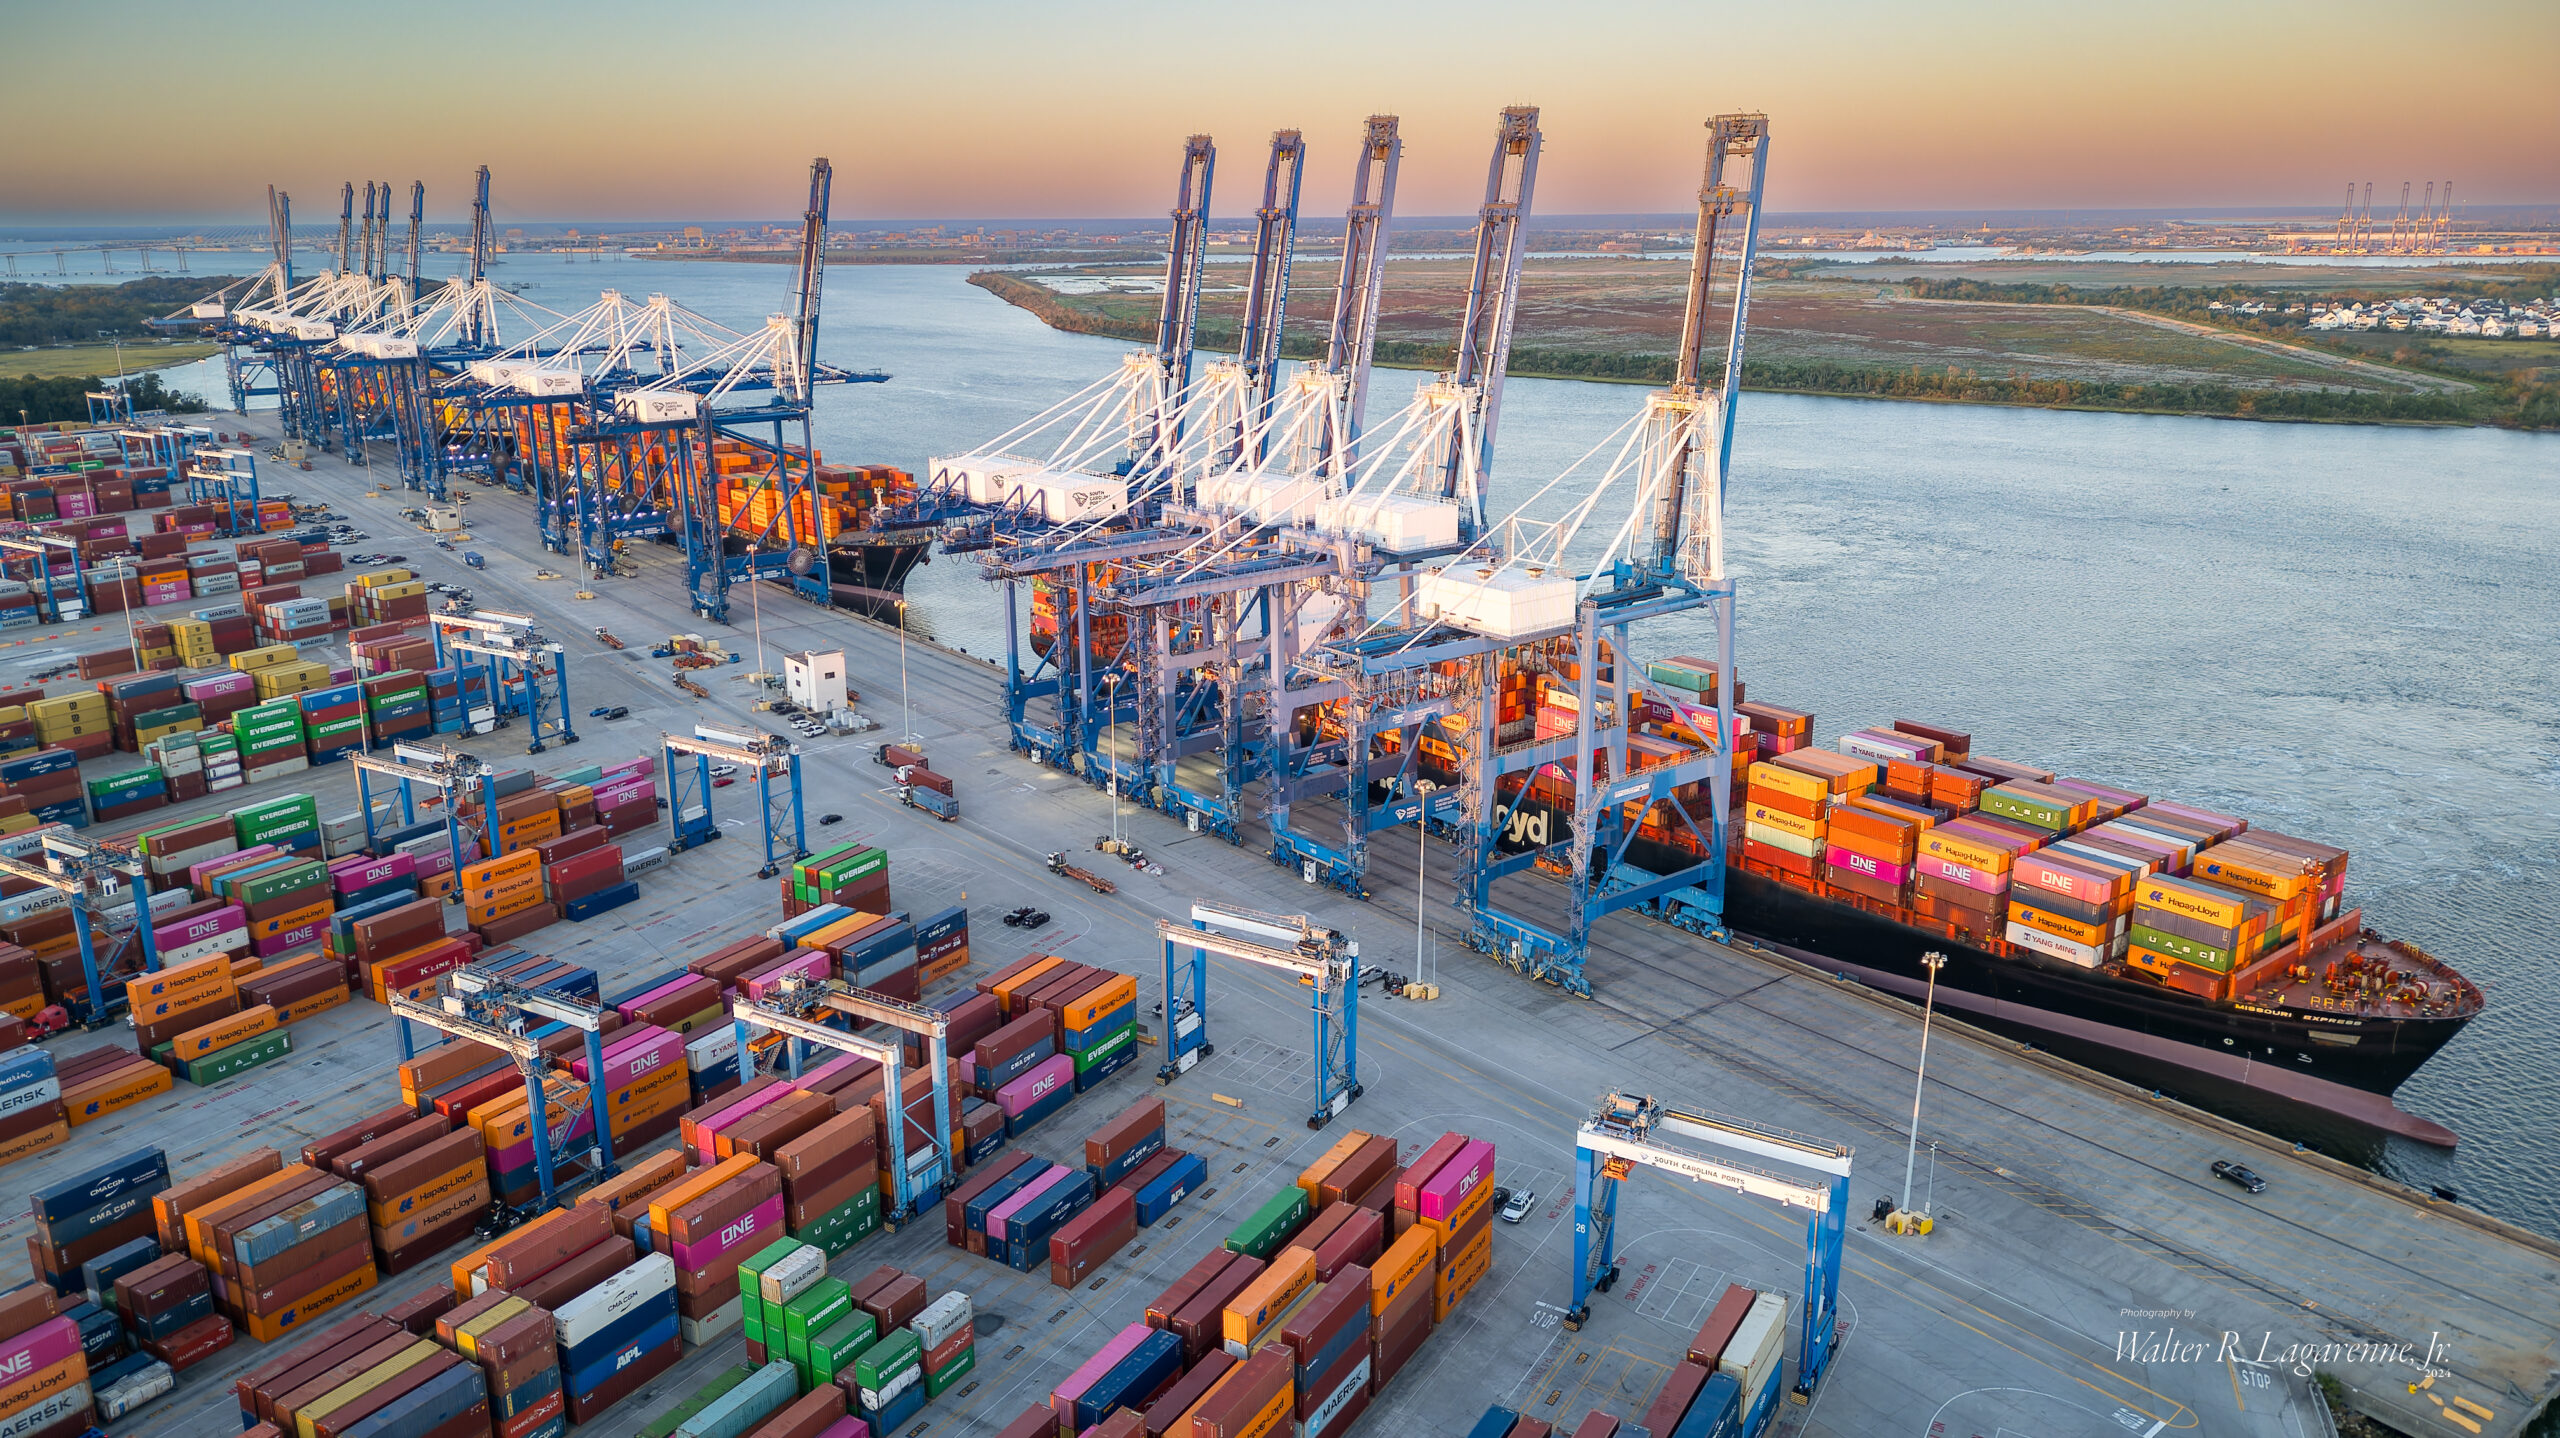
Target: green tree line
44, 400
1825, 377
75, 314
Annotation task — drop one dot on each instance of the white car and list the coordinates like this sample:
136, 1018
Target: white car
724, 771
1518, 1208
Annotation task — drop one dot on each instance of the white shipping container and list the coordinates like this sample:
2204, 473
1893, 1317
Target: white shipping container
2070, 950
1752, 1355
792, 1274
597, 1309
941, 1318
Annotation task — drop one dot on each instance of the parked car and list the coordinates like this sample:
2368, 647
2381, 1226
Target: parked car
724, 771
1518, 1208
2240, 1174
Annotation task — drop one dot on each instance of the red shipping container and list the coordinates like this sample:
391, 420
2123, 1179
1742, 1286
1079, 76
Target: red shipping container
1083, 1242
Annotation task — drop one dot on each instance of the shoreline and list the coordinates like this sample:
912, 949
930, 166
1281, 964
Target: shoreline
1041, 306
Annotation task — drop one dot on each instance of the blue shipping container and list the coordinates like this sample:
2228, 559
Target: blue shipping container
1171, 1187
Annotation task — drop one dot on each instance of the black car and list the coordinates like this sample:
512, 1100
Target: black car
2240, 1174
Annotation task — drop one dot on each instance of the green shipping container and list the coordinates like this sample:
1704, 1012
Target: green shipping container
826, 1300
833, 1349
241, 1057
1109, 1048
282, 881
178, 714
1271, 1225
880, 1365
665, 1424
853, 868
2203, 956
117, 784
937, 1384
836, 1231
751, 1280
2008, 803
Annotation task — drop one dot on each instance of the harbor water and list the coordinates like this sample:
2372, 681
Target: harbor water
2342, 632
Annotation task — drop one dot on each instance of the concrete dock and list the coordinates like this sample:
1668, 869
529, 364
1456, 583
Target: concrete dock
2087, 1273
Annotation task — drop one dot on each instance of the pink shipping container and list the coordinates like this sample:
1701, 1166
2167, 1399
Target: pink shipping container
1036, 1085
808, 963
196, 872
633, 1055
289, 940
1456, 1179
364, 871
631, 1006
200, 928
2041, 873
1065, 1394
40, 1347
709, 1128
1883, 871
1022, 1198
757, 1229
1965, 874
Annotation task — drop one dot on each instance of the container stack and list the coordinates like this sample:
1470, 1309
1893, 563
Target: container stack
513, 1343
48, 1393
831, 1181
855, 875
1268, 1229
502, 898
942, 945
48, 783
100, 1082
1018, 1229
644, 1080
1448, 1191
617, 1336
284, 1248
270, 738
709, 1224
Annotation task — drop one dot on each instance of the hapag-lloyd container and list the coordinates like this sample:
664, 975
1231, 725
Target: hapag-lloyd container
1443, 1198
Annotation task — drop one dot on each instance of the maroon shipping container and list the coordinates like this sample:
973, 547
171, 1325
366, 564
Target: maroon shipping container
1013, 1040
899, 756
1321, 1319
523, 1257
1225, 1413
1037, 1421
1596, 1425
895, 1303
1409, 1183
1148, 1172
257, 1390
1199, 1324
1135, 1125
1355, 1175
1357, 1240
1174, 1402
1729, 1311
919, 777
418, 1312
970, 1020
582, 874
1083, 1242
320, 1151
407, 1138
1679, 1390
674, 1006
1182, 1290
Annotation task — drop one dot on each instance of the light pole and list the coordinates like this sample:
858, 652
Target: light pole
906, 710
1933, 961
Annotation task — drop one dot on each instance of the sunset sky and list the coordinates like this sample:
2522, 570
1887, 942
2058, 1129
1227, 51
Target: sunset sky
158, 111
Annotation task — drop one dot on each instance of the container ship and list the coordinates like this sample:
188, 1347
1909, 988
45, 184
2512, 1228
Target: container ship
869, 552
2041, 890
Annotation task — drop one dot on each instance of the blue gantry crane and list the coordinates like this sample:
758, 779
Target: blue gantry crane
776, 763
513, 1020
1631, 1131
805, 1014
1318, 958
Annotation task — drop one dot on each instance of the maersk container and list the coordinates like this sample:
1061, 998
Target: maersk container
1170, 1187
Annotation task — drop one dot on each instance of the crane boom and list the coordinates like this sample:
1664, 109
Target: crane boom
1688, 507
1267, 294
346, 227
417, 224
280, 234
1493, 290
1355, 295
813, 273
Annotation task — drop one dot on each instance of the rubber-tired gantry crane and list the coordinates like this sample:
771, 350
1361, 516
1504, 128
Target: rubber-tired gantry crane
512, 1019
802, 1012
1630, 1131
689, 789
1320, 959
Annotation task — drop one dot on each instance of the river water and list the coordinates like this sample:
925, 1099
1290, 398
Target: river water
2342, 632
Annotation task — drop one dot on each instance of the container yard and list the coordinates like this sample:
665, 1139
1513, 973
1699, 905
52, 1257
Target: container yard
2061, 1199
389, 1058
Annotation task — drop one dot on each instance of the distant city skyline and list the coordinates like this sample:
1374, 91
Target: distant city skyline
1011, 112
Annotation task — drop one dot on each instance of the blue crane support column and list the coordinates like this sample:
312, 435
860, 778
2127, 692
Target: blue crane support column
447, 770
787, 1011
1319, 958
782, 819
493, 1011
1630, 1131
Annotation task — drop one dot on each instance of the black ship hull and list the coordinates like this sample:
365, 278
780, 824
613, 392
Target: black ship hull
869, 575
2375, 1054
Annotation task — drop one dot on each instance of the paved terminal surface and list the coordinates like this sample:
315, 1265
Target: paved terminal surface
2087, 1274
